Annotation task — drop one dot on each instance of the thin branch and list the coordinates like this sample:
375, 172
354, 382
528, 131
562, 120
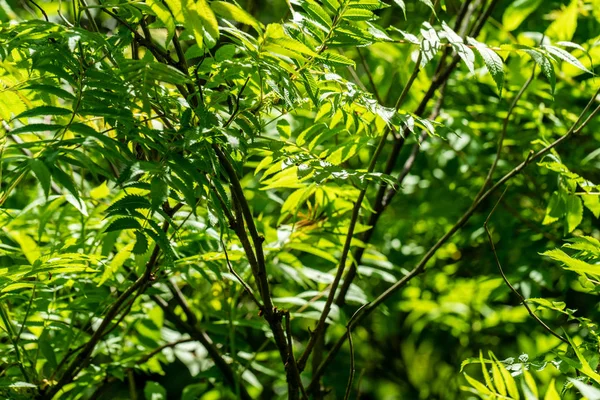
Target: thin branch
352, 367
237, 276
512, 288
505, 122
159, 349
41, 9
385, 194
237, 103
319, 329
363, 61
201, 336
288, 331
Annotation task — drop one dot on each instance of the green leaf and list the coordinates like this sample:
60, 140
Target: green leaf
42, 173
574, 212
429, 4
209, 21
141, 243
44, 111
465, 53
552, 393
164, 15
493, 62
233, 12
546, 66
592, 202
159, 192
31, 128
573, 264
566, 56
430, 44
517, 12
555, 209
585, 366
400, 3
588, 391
479, 387
565, 24
116, 263
335, 59
122, 224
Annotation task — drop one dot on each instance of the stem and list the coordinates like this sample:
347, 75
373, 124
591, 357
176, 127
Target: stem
512, 288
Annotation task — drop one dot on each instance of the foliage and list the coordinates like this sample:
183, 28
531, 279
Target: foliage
191, 193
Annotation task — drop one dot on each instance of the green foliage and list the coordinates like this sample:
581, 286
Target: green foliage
206, 199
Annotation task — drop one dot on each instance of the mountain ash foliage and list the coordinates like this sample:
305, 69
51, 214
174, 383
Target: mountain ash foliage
299, 199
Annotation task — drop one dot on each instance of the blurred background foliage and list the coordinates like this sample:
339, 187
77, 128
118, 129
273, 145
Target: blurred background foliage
414, 346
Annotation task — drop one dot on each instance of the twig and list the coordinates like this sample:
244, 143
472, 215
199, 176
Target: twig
288, 331
352, 367
500, 145
41, 10
237, 276
237, 103
159, 349
512, 288
363, 61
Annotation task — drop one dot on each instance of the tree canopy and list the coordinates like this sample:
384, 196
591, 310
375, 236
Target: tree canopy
299, 199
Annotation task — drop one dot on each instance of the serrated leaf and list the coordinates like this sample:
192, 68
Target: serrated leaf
31, 128
585, 366
335, 59
430, 44
567, 57
592, 202
573, 264
129, 203
122, 224
545, 65
159, 192
464, 52
209, 21
44, 111
493, 62
141, 243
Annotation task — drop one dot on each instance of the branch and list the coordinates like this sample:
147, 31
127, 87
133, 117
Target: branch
86, 352
385, 194
512, 288
201, 336
575, 129
319, 330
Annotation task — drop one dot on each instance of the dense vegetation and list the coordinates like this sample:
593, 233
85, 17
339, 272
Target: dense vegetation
299, 199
